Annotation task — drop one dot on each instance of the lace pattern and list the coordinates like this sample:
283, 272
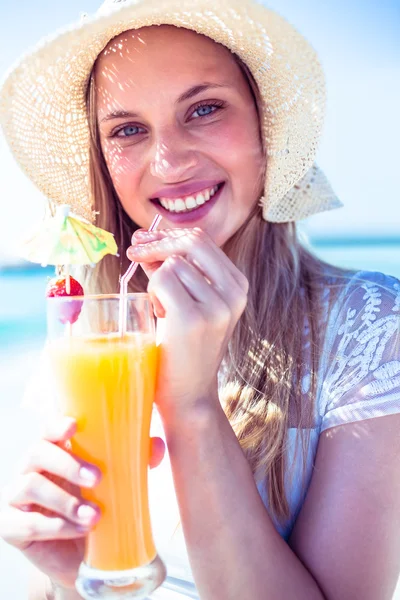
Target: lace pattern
363, 348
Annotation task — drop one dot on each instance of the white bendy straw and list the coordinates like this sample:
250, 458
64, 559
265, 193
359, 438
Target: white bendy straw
123, 291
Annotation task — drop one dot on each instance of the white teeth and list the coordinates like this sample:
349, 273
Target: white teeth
213, 190
179, 205
200, 199
188, 203
164, 203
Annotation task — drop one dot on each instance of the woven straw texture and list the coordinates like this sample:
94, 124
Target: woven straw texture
43, 112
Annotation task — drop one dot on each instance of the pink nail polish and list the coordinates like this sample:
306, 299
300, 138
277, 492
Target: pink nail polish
86, 513
137, 249
87, 476
141, 233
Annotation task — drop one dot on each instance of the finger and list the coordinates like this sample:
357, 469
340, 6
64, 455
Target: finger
222, 313
150, 268
35, 488
173, 239
47, 456
140, 234
143, 235
60, 429
186, 314
225, 284
157, 307
157, 451
198, 248
222, 309
146, 238
195, 283
20, 529
166, 286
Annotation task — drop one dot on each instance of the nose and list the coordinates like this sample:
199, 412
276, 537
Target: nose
173, 159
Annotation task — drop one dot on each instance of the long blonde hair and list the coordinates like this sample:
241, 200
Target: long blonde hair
261, 392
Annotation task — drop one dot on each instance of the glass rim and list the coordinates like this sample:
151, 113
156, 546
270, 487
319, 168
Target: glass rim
129, 296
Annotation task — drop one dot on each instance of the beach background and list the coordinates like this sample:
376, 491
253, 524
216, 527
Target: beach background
359, 47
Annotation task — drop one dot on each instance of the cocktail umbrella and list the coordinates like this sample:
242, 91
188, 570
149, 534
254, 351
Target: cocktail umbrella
66, 239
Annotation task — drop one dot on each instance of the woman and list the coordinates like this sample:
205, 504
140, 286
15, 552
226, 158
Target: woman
279, 389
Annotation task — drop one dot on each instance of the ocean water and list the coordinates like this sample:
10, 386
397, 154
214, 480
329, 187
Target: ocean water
378, 256
22, 304
22, 333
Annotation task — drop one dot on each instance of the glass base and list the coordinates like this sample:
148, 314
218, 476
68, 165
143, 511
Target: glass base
135, 583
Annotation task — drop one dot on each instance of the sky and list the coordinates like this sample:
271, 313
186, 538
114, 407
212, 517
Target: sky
358, 43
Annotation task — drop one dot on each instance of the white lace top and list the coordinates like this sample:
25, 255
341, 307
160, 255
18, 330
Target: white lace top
358, 378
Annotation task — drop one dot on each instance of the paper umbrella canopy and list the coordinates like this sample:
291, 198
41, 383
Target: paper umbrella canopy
66, 239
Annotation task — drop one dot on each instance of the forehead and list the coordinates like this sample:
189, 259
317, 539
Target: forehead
161, 52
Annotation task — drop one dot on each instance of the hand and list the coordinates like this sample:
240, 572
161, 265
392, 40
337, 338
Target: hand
44, 514
202, 295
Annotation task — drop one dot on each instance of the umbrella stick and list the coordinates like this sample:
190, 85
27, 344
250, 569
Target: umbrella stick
68, 280
68, 290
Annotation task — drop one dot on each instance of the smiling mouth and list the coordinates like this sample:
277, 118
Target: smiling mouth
188, 203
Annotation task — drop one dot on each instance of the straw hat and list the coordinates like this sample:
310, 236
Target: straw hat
43, 112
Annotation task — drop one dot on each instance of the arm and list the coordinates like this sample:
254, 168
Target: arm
346, 542
234, 549
348, 531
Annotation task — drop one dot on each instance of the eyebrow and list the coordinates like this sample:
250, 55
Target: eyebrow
198, 89
190, 93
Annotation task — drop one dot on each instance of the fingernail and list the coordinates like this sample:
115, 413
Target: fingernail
67, 423
87, 476
137, 249
141, 233
86, 513
57, 426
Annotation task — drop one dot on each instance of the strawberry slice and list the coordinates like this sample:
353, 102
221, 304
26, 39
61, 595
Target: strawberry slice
57, 287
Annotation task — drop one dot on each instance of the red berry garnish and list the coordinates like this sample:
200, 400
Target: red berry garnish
57, 287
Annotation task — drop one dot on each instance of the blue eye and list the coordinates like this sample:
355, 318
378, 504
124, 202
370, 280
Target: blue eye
205, 110
202, 111
128, 131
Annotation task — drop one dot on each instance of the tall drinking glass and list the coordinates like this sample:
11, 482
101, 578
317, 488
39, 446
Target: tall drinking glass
106, 382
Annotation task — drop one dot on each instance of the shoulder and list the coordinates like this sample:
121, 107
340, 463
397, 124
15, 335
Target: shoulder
361, 298
363, 283
352, 302
374, 282
360, 366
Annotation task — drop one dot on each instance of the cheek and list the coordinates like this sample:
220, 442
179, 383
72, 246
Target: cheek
122, 166
238, 146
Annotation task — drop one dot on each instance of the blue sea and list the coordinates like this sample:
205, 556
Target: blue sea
22, 304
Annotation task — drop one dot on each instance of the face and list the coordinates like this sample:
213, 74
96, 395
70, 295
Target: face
179, 130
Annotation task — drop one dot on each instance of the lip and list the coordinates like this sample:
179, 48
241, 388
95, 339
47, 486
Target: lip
185, 189
194, 215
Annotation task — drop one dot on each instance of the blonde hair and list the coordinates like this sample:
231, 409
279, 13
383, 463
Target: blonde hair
261, 388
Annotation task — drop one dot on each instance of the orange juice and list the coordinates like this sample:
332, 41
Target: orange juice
107, 384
